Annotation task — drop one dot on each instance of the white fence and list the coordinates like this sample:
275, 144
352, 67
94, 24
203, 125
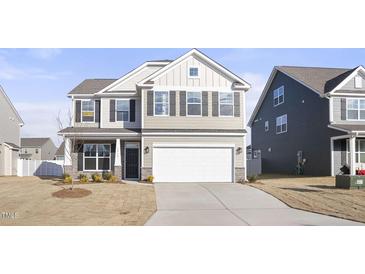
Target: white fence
39, 168
254, 167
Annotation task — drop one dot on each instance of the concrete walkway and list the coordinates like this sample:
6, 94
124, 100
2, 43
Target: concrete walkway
228, 204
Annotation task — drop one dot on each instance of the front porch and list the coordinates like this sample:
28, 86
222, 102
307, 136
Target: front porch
120, 156
349, 151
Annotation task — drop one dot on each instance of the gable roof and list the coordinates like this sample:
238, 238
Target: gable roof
61, 150
196, 53
20, 120
91, 86
318, 79
33, 142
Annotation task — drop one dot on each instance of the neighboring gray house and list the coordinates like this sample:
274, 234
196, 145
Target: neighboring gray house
180, 121
60, 152
37, 149
10, 124
311, 114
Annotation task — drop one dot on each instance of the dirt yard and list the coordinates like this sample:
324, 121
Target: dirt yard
29, 201
315, 194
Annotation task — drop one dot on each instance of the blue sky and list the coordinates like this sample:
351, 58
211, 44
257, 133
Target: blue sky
37, 80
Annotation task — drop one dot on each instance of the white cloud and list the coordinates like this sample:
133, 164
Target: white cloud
257, 82
40, 118
44, 54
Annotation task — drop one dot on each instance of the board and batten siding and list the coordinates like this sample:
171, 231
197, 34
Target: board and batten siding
237, 141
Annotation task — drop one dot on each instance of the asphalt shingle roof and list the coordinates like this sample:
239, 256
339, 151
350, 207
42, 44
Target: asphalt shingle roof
33, 142
91, 86
61, 150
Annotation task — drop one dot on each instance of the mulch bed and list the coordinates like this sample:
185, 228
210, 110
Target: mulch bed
71, 193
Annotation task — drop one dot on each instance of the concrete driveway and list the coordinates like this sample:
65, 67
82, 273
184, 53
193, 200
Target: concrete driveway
227, 204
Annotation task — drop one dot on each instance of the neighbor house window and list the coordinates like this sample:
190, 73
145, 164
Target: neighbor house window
281, 124
194, 103
87, 111
226, 104
355, 109
96, 157
359, 151
266, 125
122, 110
358, 82
193, 72
279, 96
161, 103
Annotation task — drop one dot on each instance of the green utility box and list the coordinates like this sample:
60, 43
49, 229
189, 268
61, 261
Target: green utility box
350, 181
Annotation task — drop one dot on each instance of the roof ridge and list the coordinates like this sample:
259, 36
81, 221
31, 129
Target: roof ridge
314, 67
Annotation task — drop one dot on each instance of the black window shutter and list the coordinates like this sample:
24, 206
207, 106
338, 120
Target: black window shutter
80, 157
132, 110
112, 110
97, 111
150, 103
237, 104
205, 103
343, 108
172, 103
215, 104
78, 111
182, 103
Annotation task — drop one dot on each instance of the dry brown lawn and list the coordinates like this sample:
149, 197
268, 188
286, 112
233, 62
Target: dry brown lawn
32, 202
315, 194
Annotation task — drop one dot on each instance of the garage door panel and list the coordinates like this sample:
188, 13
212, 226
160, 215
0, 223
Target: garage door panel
192, 164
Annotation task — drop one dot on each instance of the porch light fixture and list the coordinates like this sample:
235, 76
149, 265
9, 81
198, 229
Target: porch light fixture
146, 150
239, 150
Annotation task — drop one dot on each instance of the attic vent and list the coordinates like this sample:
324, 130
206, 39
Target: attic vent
358, 82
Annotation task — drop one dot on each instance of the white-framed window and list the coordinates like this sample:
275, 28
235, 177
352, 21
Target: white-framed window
193, 72
87, 111
96, 157
359, 151
266, 125
194, 103
225, 103
161, 101
358, 82
281, 124
122, 110
355, 109
256, 153
278, 96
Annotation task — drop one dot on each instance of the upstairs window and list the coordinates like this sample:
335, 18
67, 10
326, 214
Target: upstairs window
281, 124
161, 103
226, 104
358, 82
193, 72
122, 110
87, 111
194, 103
355, 109
278, 96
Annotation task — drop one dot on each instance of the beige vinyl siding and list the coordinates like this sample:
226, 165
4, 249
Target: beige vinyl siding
208, 76
84, 124
105, 114
186, 122
237, 141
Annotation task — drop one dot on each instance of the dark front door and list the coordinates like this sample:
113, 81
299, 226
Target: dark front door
131, 163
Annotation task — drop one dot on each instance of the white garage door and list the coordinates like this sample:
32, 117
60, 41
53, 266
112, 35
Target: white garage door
193, 164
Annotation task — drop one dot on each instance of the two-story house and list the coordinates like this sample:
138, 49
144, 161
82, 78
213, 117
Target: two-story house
311, 116
180, 121
37, 149
10, 124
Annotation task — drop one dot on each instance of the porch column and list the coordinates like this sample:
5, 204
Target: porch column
352, 155
118, 158
68, 147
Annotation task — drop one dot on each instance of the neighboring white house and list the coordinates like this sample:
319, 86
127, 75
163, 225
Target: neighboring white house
10, 123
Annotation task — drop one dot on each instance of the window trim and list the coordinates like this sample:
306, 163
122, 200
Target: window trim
219, 104
129, 110
193, 77
357, 152
96, 157
358, 109
88, 100
281, 125
201, 104
277, 89
168, 103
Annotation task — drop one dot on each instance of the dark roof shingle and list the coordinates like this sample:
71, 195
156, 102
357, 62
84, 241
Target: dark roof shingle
33, 142
91, 86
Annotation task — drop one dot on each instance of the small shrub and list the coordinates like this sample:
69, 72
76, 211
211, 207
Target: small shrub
83, 178
67, 180
96, 178
65, 175
150, 178
107, 175
252, 179
113, 179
